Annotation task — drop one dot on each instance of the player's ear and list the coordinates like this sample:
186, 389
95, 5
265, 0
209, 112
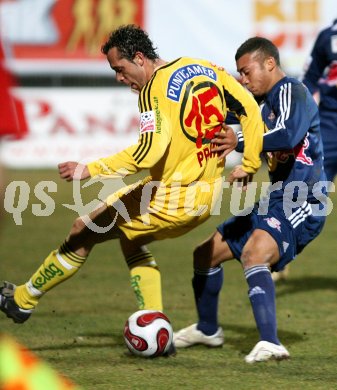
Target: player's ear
270, 63
139, 58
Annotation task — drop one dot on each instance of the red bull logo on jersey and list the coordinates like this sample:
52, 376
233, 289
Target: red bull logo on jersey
182, 75
299, 153
331, 77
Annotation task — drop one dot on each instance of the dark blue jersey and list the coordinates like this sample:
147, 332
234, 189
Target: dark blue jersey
292, 142
231, 119
321, 72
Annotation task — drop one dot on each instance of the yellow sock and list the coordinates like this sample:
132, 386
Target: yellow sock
146, 281
57, 267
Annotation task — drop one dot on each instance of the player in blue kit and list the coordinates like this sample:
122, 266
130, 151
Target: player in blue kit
321, 78
280, 224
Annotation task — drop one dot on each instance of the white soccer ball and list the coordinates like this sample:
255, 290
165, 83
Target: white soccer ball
148, 333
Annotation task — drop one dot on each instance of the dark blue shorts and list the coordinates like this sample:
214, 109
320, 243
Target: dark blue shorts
291, 235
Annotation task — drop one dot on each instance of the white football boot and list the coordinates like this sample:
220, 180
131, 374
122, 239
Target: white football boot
189, 336
264, 350
281, 275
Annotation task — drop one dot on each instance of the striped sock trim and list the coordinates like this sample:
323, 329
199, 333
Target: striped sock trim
64, 263
32, 290
254, 270
209, 271
141, 259
69, 258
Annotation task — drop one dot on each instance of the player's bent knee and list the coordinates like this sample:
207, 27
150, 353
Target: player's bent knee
251, 259
212, 252
78, 226
260, 249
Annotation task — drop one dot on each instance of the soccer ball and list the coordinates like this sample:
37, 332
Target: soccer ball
148, 333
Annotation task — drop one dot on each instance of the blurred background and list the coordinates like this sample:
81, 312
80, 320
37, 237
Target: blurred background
72, 106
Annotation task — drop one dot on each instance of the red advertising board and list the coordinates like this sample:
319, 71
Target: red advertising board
64, 29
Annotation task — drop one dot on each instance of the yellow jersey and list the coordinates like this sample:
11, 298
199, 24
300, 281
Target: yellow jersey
181, 107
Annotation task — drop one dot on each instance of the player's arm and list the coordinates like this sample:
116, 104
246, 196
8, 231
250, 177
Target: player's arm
292, 119
245, 108
154, 138
225, 141
149, 150
145, 154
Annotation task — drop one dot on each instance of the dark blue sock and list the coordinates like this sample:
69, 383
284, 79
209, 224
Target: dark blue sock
262, 298
207, 285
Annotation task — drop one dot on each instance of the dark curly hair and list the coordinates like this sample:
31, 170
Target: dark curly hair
263, 46
129, 39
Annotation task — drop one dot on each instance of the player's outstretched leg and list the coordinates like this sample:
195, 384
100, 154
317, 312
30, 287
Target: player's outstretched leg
18, 302
58, 266
262, 297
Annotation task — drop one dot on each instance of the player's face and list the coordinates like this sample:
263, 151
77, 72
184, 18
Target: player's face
254, 72
130, 73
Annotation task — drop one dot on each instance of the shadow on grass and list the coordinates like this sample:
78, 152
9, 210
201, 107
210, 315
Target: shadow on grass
248, 337
297, 285
243, 342
89, 340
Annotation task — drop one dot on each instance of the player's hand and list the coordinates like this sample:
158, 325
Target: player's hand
224, 142
71, 170
239, 175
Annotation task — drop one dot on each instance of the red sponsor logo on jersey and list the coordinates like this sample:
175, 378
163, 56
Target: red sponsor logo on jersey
204, 154
299, 152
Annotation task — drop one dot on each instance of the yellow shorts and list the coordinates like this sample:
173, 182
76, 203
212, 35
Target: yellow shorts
146, 211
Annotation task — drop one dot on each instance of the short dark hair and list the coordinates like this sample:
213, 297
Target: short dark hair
262, 45
129, 39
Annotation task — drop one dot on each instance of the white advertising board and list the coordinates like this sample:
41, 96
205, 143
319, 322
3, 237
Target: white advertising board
214, 29
73, 125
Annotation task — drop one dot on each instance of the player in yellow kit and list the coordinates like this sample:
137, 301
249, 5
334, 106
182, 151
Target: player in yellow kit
182, 104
